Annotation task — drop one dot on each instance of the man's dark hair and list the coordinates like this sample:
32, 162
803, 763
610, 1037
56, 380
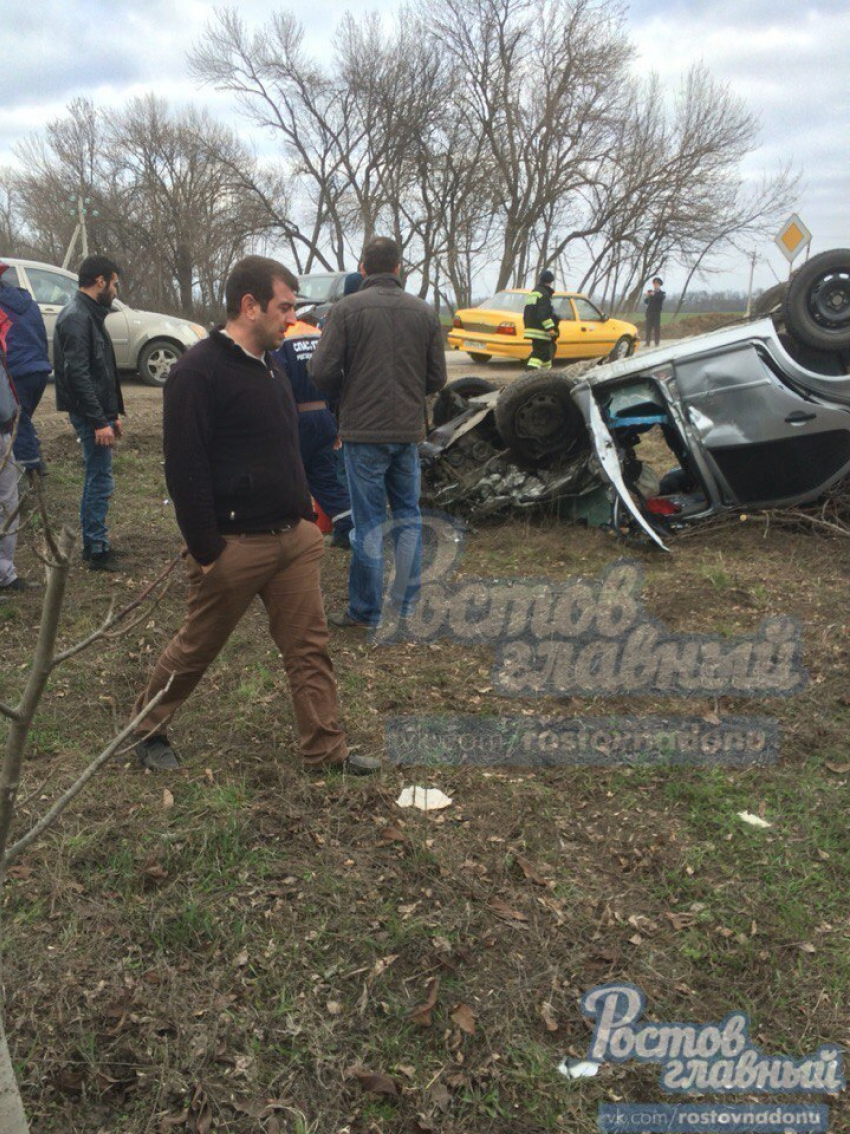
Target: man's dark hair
94, 266
255, 275
380, 254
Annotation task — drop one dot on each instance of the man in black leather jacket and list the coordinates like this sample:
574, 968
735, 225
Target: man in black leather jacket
87, 387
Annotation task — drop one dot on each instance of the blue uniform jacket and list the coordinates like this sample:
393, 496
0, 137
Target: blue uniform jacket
317, 428
26, 338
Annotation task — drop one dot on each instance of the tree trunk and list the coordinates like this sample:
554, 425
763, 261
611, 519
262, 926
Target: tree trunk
12, 1117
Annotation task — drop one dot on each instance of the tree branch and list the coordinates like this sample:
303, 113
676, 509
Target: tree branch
77, 786
113, 619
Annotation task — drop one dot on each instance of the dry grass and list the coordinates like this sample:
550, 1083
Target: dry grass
244, 952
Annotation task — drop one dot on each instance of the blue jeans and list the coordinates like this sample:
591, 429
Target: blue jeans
98, 485
378, 474
30, 388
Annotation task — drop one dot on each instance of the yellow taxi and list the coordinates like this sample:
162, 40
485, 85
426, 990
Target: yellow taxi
495, 329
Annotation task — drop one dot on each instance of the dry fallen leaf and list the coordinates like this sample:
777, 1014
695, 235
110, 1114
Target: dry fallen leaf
530, 873
167, 799
839, 769
392, 834
502, 909
440, 1097
421, 1014
375, 1082
548, 1015
334, 1008
680, 920
464, 1017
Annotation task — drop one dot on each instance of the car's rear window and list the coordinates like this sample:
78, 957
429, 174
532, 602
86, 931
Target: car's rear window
317, 289
505, 301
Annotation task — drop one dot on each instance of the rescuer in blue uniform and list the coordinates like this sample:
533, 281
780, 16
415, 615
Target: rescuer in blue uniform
317, 431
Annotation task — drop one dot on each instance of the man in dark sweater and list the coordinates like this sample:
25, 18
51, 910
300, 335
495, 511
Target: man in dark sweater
240, 495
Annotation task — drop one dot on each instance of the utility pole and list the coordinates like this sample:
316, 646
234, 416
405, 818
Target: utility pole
79, 210
750, 288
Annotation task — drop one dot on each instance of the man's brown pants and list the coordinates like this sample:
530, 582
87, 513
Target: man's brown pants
283, 569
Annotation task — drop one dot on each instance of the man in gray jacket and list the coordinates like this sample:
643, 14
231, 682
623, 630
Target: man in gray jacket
380, 355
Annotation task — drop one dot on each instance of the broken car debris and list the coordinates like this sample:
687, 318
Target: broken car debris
755, 416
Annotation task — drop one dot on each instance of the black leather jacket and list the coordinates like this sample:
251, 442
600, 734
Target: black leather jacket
84, 362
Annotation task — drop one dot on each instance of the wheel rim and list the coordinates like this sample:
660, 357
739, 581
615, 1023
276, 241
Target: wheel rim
159, 363
829, 301
621, 350
539, 419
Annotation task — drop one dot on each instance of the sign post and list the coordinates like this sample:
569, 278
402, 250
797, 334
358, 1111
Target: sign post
792, 238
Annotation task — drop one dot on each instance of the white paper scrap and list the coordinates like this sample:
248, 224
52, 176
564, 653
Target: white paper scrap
579, 1068
426, 799
753, 820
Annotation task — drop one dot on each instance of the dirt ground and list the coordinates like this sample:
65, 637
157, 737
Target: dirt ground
241, 948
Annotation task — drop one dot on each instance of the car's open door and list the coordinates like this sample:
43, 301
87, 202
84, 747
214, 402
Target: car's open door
606, 453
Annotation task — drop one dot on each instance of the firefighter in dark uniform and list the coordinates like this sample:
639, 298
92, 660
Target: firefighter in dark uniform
541, 324
317, 431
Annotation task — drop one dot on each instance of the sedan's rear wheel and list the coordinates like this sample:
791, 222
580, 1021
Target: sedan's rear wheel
479, 358
817, 304
156, 360
538, 419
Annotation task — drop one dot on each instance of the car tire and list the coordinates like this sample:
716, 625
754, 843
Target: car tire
769, 300
817, 303
479, 358
624, 347
446, 405
156, 359
538, 419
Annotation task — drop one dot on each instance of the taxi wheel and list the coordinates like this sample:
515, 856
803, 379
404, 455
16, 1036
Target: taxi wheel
479, 358
622, 348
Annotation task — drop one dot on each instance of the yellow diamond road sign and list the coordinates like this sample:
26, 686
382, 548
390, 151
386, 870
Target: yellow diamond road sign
793, 237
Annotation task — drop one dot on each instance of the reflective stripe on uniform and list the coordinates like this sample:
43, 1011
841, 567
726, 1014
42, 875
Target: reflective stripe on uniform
534, 334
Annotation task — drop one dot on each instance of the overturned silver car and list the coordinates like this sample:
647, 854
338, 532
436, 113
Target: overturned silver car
756, 415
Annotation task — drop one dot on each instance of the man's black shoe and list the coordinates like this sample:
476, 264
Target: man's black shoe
102, 561
18, 585
344, 620
342, 540
157, 754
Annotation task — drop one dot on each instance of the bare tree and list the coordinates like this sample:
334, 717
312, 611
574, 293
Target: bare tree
56, 556
544, 82
181, 200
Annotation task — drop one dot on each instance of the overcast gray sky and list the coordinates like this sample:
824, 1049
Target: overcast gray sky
787, 58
